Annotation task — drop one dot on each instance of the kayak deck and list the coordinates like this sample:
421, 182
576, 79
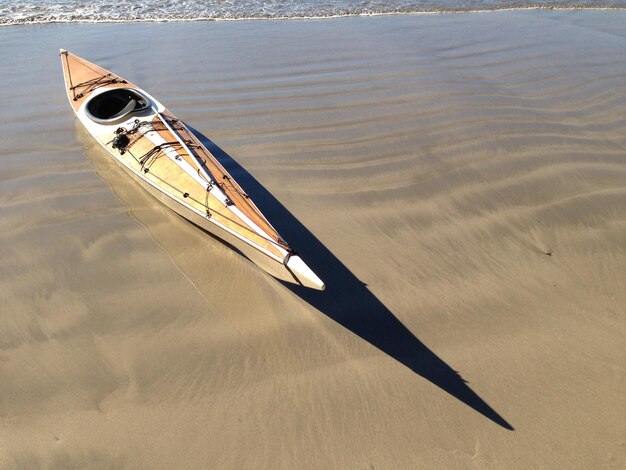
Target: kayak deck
165, 157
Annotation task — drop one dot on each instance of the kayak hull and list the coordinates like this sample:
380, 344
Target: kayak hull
161, 154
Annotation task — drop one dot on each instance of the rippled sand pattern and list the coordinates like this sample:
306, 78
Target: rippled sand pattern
458, 181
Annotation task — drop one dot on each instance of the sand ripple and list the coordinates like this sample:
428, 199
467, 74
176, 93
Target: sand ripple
469, 169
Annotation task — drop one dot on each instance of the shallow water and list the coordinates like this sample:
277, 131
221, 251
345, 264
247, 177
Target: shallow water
71, 11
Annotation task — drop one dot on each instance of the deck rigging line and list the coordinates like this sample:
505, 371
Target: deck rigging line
148, 158
91, 85
231, 189
123, 142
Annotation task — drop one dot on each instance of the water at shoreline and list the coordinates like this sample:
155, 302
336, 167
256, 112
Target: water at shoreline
98, 11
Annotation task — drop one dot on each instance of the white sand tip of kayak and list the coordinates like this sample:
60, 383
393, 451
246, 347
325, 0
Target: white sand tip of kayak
304, 274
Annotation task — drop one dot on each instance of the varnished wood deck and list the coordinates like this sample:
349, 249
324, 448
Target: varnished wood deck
82, 78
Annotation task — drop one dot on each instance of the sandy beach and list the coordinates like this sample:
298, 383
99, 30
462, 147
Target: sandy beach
457, 180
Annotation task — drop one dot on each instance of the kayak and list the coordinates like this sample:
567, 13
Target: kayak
162, 154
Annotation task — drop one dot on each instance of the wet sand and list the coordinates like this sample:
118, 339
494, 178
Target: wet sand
459, 183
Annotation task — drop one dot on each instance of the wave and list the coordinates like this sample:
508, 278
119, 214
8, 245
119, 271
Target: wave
99, 11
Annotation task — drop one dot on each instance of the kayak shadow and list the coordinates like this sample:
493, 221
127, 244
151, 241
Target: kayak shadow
349, 302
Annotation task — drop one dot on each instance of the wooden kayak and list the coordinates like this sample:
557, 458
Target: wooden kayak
161, 154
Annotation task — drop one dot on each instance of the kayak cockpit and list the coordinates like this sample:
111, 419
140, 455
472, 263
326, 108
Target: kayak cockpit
115, 105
